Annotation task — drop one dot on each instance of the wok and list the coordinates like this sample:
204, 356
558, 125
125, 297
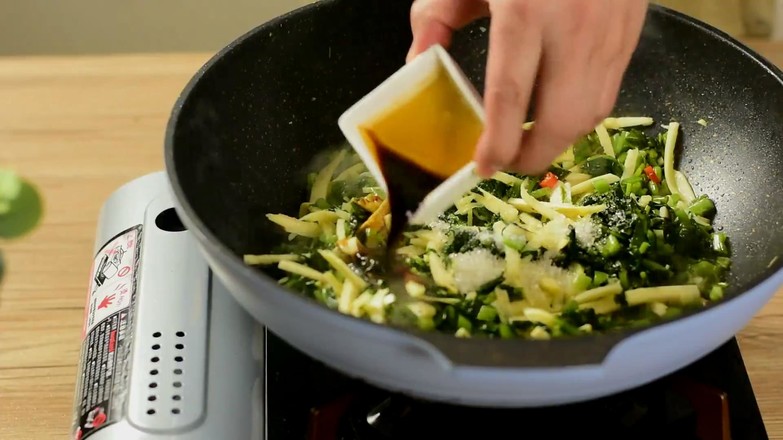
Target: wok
245, 129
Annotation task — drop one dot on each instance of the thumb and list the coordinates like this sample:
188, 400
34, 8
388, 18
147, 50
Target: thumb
432, 34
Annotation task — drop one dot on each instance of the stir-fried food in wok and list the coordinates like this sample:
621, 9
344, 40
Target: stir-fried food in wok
612, 236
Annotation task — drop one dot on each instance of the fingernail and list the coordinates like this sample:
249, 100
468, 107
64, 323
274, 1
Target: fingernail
409, 55
486, 171
412, 52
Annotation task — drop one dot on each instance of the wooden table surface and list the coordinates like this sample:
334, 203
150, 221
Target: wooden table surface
79, 127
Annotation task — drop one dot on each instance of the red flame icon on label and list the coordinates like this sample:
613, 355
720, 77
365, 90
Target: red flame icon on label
106, 301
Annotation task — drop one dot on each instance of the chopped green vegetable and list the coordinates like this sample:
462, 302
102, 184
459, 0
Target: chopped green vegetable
611, 246
601, 186
599, 278
702, 206
600, 165
486, 313
463, 322
506, 331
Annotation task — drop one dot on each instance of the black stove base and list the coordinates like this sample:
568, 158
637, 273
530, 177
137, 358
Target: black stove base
704, 401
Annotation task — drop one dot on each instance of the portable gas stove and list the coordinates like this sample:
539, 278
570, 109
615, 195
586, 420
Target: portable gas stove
168, 354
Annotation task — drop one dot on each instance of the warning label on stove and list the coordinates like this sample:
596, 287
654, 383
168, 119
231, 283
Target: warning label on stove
107, 339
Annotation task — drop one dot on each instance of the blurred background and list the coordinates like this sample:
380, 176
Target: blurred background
112, 26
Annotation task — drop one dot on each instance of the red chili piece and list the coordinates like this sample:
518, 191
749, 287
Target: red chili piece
651, 174
549, 181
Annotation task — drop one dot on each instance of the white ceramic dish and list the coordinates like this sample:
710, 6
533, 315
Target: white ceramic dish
407, 81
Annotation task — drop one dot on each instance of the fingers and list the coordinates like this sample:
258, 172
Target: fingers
580, 80
579, 48
617, 52
569, 89
512, 64
434, 21
565, 110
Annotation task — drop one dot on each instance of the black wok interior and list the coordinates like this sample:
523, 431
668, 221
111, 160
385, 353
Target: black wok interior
257, 116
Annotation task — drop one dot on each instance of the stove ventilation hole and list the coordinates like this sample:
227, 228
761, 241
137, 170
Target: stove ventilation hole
177, 371
169, 221
165, 372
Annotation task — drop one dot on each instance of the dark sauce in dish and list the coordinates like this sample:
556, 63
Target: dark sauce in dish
407, 185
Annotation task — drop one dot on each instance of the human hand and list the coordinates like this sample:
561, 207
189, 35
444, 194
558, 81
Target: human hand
578, 49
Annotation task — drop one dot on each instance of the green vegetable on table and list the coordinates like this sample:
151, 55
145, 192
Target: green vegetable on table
20, 208
10, 187
612, 236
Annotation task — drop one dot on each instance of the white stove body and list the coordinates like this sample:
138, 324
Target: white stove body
167, 353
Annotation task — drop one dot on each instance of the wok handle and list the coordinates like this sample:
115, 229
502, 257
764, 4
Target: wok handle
481, 352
